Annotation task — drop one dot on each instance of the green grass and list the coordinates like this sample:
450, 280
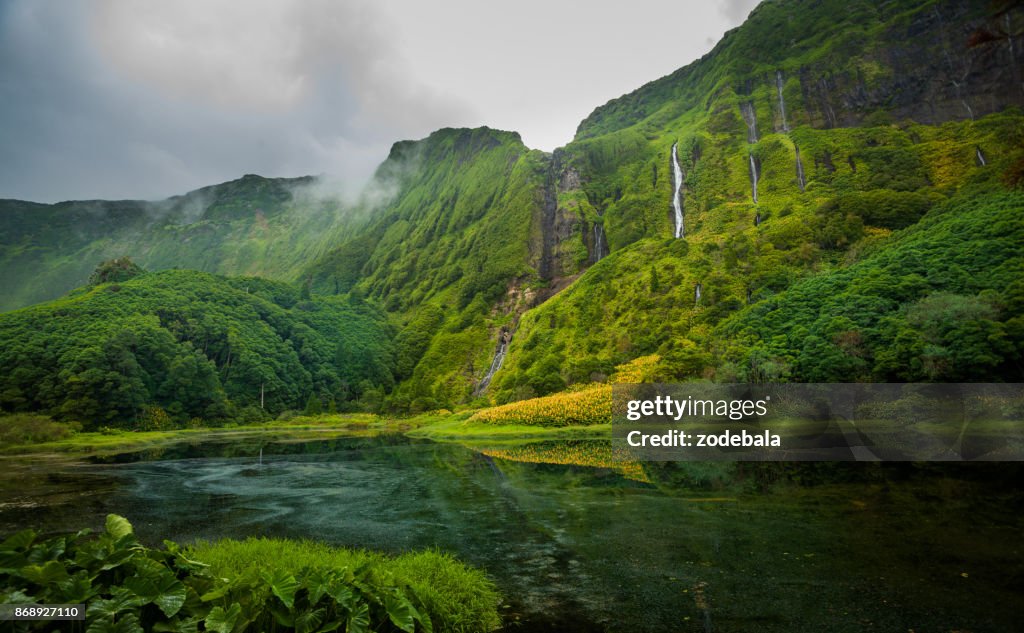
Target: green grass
458, 598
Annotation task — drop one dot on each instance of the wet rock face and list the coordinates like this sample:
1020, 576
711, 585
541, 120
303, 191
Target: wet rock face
569, 180
955, 61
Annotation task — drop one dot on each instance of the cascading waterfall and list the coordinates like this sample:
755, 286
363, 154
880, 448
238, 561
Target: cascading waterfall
599, 246
980, 156
677, 193
782, 100
752, 122
505, 338
753, 177
696, 293
800, 179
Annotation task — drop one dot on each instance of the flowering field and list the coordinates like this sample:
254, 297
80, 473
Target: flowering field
588, 406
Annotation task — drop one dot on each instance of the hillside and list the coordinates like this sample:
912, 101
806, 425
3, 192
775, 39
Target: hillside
152, 350
471, 239
250, 226
804, 142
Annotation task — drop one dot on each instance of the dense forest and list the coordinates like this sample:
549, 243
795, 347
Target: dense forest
162, 349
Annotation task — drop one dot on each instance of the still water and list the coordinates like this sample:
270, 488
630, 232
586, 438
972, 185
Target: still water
577, 548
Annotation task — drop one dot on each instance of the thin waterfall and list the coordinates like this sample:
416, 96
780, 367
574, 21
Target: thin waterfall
696, 293
677, 193
800, 179
980, 156
747, 109
782, 100
753, 177
504, 339
599, 246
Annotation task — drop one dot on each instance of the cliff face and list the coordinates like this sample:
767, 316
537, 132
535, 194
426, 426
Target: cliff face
945, 62
930, 62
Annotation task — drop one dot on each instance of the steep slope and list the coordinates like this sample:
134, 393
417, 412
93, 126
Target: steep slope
472, 237
252, 226
800, 143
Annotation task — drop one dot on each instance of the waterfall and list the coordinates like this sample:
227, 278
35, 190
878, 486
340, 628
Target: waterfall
980, 156
599, 245
800, 179
696, 293
753, 177
677, 193
504, 339
747, 109
782, 100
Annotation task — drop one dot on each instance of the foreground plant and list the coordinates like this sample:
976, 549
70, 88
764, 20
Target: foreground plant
128, 587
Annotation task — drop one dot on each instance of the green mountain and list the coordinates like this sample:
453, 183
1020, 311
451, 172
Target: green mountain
250, 226
805, 142
832, 193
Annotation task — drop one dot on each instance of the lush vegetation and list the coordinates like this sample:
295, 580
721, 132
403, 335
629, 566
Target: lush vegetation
938, 301
256, 585
884, 161
463, 225
454, 597
250, 226
170, 348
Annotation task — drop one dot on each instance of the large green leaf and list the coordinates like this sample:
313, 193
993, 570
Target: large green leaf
223, 621
121, 599
359, 619
283, 585
118, 526
401, 612
21, 540
77, 588
343, 595
309, 621
11, 561
175, 625
163, 590
48, 550
128, 623
172, 599
50, 573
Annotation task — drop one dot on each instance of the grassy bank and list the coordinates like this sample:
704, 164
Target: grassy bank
108, 441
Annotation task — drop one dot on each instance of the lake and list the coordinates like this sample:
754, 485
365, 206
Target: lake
582, 548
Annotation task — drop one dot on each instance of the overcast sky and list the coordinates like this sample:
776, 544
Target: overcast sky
147, 99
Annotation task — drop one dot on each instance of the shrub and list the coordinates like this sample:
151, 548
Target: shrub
27, 428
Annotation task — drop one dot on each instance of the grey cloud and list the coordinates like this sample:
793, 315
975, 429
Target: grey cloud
126, 99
